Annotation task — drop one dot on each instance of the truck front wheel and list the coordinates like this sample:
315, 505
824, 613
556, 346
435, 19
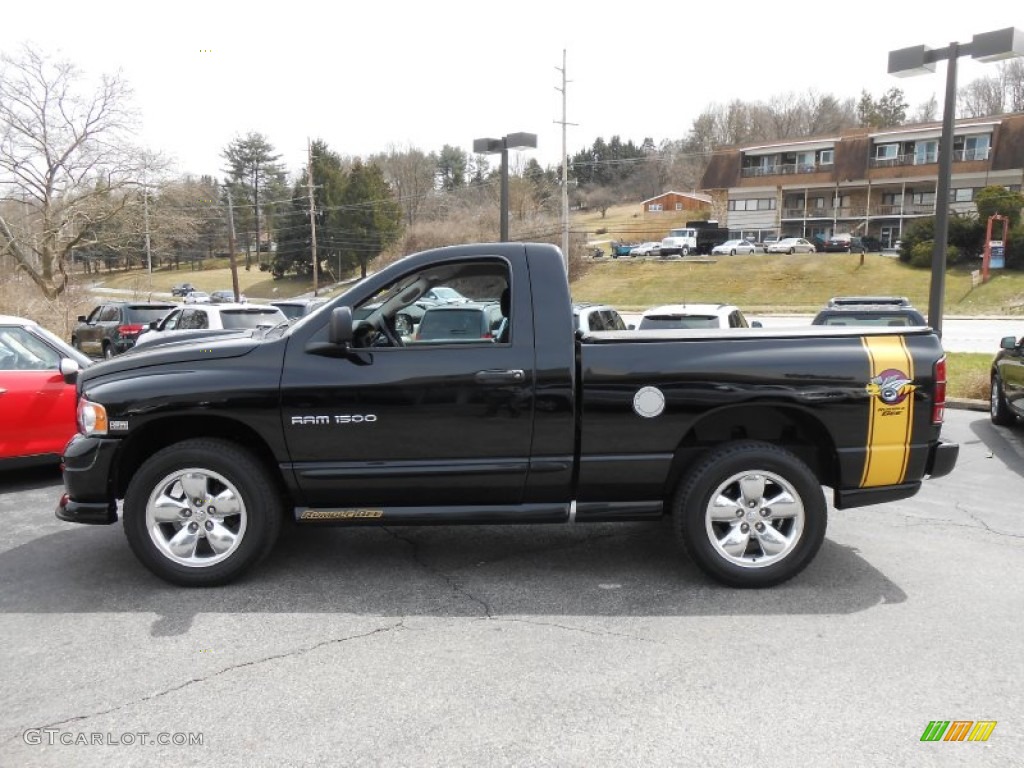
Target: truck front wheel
200, 512
684, 251
750, 514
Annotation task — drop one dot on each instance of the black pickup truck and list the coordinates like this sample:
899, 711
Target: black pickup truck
334, 421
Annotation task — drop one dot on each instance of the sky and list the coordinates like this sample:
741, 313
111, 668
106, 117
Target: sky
373, 76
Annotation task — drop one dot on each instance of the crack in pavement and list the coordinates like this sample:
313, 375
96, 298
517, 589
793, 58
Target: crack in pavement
985, 525
452, 584
218, 673
916, 520
567, 628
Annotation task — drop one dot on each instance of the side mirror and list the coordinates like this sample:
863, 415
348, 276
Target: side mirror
153, 324
68, 370
81, 318
756, 324
1008, 342
340, 330
631, 327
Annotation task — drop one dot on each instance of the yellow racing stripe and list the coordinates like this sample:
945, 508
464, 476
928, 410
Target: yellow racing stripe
890, 410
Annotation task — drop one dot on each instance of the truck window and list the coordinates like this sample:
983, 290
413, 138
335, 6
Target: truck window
447, 303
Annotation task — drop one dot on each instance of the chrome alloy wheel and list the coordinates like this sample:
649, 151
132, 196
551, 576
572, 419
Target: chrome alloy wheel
195, 517
754, 519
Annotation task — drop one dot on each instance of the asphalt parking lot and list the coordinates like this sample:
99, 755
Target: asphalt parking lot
562, 646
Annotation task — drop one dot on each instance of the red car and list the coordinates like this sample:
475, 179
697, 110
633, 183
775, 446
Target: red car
37, 408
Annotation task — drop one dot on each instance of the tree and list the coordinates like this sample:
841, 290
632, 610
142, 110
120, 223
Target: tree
927, 111
999, 200
252, 165
66, 160
370, 220
411, 174
295, 242
888, 111
451, 168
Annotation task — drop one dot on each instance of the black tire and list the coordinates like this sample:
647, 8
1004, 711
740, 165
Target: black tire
108, 350
792, 251
777, 472
75, 344
732, 252
998, 410
684, 251
220, 472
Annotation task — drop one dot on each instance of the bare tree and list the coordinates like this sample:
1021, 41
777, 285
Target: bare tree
981, 97
411, 174
65, 155
1012, 74
927, 111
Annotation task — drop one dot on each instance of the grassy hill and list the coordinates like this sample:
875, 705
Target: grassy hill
798, 283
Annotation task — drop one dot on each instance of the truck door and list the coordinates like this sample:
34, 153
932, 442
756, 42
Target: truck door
414, 411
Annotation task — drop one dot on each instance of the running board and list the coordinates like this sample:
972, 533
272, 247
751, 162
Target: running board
585, 512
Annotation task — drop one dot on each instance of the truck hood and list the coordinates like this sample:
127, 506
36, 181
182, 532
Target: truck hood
185, 351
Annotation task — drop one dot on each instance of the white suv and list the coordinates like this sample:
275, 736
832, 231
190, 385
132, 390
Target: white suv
199, 320
596, 317
676, 316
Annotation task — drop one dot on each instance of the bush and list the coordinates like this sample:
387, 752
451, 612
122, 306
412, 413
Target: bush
921, 254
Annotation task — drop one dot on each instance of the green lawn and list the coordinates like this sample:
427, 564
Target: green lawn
967, 374
798, 283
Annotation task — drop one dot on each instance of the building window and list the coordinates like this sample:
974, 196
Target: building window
654, 207
926, 152
886, 151
892, 198
679, 207
923, 198
826, 157
766, 204
962, 195
972, 147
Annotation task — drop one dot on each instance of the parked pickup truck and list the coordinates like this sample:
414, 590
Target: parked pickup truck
330, 421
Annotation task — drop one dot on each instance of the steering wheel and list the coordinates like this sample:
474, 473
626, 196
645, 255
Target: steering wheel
390, 338
376, 334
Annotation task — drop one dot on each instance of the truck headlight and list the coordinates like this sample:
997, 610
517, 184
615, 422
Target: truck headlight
92, 418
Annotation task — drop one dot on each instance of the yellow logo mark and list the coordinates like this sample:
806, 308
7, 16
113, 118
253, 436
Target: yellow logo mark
341, 514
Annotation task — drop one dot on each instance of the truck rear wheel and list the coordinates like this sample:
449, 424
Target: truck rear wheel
200, 512
750, 514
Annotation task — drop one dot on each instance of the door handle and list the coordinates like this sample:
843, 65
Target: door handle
500, 377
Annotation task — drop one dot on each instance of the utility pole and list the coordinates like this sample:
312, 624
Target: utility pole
312, 210
231, 247
145, 218
565, 167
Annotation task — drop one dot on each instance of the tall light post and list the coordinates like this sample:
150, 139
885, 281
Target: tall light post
503, 145
919, 60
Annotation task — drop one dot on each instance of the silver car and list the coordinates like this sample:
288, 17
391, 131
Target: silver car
792, 245
732, 247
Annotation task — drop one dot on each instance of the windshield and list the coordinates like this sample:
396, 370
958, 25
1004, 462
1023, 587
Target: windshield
146, 315
240, 318
672, 322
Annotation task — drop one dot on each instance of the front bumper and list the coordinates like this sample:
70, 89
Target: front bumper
89, 497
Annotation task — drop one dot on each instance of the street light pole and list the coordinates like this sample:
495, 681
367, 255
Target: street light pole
504, 195
502, 146
939, 246
919, 59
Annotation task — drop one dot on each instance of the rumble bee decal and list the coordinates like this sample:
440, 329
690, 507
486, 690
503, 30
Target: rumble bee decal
890, 410
891, 386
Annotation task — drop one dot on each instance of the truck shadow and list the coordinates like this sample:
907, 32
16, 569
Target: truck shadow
1005, 443
472, 571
